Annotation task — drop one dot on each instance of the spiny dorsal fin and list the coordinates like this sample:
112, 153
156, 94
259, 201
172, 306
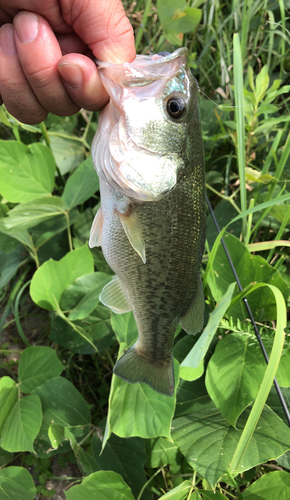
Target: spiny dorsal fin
114, 297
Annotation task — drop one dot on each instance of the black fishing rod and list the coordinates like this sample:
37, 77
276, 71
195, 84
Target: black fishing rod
277, 387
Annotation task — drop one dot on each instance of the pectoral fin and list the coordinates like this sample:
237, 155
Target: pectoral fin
133, 231
96, 230
192, 320
113, 296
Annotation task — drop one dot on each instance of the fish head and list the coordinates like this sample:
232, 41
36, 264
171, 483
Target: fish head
142, 143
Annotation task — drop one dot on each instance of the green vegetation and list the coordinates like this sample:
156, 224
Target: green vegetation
224, 429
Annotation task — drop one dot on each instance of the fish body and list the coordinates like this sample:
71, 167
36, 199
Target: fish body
151, 224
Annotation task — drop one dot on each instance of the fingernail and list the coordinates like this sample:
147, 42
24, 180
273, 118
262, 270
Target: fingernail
71, 74
7, 42
26, 26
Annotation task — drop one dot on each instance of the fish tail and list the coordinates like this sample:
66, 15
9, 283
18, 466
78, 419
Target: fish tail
135, 368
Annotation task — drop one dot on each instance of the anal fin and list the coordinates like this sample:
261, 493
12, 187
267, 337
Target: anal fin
96, 230
113, 296
133, 231
192, 320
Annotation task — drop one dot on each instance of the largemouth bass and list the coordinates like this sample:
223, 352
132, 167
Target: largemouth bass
151, 225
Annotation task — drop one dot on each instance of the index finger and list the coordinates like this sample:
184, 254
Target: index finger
103, 26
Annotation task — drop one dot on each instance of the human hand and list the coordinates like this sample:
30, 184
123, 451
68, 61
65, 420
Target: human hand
45, 62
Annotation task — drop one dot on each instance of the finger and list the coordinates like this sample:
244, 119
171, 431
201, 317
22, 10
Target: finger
39, 53
105, 29
15, 91
81, 76
49, 9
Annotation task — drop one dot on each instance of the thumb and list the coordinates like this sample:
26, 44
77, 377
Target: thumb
103, 26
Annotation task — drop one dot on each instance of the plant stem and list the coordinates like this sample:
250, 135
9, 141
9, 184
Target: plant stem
146, 484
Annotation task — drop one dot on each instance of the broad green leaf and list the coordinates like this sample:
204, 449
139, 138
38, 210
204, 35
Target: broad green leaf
280, 212
104, 485
97, 327
37, 364
195, 357
22, 425
9, 263
68, 153
56, 434
46, 230
8, 398
284, 460
161, 452
27, 215
86, 462
81, 185
63, 404
5, 457
283, 373
138, 410
212, 495
124, 456
82, 296
270, 486
16, 483
250, 268
209, 442
176, 16
26, 172
190, 396
274, 402
234, 374
7, 243
224, 212
178, 493
125, 327
52, 278
21, 236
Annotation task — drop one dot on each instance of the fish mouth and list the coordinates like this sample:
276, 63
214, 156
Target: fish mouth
144, 69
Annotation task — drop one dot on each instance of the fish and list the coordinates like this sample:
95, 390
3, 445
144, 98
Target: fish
148, 154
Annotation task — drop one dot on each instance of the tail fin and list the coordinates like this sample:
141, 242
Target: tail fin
134, 368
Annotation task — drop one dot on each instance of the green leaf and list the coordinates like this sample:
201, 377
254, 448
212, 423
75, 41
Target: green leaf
22, 425
63, 404
5, 457
195, 357
124, 456
37, 364
250, 268
224, 213
52, 278
97, 327
283, 373
179, 493
8, 398
104, 485
161, 452
234, 374
9, 263
270, 486
26, 172
81, 185
82, 296
68, 153
189, 396
27, 215
212, 495
209, 442
16, 483
138, 410
56, 434
262, 83
176, 16
86, 462
125, 327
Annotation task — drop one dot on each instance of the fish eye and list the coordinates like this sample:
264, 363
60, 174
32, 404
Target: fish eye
175, 107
